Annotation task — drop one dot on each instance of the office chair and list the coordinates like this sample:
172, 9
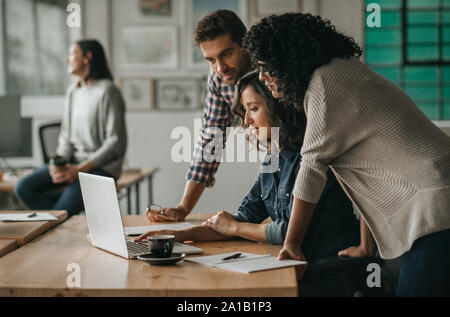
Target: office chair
351, 271
48, 137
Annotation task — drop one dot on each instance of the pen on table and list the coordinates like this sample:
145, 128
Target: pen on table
233, 256
32, 215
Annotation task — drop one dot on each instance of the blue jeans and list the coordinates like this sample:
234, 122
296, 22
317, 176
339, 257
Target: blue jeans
425, 269
38, 192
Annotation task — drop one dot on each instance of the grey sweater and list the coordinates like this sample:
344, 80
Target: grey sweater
93, 126
391, 160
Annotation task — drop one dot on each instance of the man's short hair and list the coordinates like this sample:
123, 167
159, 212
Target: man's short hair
218, 23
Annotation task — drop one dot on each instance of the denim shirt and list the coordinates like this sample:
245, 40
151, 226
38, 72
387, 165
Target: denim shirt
332, 226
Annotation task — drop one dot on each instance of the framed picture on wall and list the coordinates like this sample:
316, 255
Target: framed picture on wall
145, 12
149, 47
155, 8
177, 94
196, 10
262, 8
138, 93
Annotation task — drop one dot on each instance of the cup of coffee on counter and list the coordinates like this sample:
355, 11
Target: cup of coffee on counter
59, 163
161, 246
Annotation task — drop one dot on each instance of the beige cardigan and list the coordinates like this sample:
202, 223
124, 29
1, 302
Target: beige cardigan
391, 160
93, 126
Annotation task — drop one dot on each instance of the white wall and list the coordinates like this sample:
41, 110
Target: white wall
125, 13
96, 22
346, 15
150, 144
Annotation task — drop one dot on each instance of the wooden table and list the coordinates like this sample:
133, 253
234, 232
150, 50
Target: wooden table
129, 180
24, 232
40, 269
7, 246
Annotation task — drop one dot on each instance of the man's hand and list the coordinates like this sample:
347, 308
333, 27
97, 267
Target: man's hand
68, 176
223, 222
192, 193
291, 251
165, 214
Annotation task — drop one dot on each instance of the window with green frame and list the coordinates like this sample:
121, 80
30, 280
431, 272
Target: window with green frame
412, 49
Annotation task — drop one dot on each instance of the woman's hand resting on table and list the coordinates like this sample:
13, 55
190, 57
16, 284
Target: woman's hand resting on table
224, 223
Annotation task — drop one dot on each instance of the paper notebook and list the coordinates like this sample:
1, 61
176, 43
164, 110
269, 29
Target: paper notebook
40, 216
246, 263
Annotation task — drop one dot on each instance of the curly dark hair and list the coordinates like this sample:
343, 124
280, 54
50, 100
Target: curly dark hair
290, 120
292, 46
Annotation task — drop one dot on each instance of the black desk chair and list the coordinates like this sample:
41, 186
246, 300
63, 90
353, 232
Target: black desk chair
351, 271
48, 137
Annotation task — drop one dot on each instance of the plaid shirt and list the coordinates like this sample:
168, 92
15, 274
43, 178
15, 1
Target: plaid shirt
217, 117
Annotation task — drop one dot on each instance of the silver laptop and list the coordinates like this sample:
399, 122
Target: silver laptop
105, 220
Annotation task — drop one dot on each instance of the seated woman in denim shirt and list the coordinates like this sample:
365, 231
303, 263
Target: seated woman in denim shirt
333, 226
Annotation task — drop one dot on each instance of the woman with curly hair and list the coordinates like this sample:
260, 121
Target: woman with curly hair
333, 226
390, 159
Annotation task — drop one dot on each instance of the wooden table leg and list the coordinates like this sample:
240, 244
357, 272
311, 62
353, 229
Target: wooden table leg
150, 189
129, 200
138, 210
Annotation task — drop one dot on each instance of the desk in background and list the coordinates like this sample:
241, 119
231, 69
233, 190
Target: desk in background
129, 180
40, 269
8, 181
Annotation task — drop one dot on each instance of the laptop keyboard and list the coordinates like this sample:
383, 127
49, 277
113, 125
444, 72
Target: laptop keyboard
137, 247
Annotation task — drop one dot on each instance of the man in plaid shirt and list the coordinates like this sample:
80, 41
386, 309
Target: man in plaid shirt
219, 36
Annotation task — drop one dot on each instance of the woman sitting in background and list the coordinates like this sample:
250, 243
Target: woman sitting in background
333, 228
92, 138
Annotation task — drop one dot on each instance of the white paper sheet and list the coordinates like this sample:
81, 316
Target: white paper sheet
246, 263
258, 264
213, 260
40, 216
